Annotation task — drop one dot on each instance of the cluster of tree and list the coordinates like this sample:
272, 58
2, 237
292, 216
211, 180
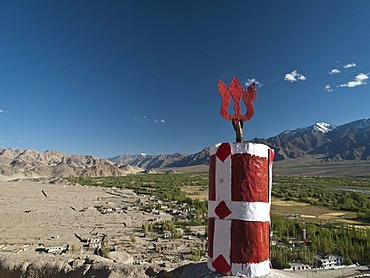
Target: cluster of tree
160, 227
166, 187
326, 192
344, 240
198, 253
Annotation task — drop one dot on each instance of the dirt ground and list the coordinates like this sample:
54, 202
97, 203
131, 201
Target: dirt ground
54, 213
35, 215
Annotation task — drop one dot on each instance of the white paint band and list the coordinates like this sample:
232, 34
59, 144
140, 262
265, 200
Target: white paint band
247, 211
222, 230
245, 270
257, 149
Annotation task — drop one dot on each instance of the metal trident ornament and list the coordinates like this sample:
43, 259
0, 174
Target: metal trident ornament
236, 91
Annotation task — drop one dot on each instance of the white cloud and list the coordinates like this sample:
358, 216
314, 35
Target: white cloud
334, 71
147, 119
328, 88
250, 81
161, 121
294, 76
290, 77
352, 65
20, 141
141, 118
360, 79
1, 111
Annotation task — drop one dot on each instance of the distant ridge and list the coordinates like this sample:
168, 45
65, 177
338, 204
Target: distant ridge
163, 160
29, 163
322, 141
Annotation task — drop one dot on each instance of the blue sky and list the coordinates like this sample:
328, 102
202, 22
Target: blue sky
110, 77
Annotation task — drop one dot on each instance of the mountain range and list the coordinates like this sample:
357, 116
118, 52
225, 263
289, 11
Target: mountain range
321, 142
147, 161
31, 164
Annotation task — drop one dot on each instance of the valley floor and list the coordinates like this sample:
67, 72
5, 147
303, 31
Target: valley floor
40, 215
46, 214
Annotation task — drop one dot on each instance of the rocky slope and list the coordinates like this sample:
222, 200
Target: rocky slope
323, 141
163, 160
29, 163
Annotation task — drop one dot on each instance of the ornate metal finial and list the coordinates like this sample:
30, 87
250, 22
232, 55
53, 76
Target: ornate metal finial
236, 91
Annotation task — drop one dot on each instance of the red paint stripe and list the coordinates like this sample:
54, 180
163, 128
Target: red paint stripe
211, 233
249, 178
212, 178
249, 242
270, 159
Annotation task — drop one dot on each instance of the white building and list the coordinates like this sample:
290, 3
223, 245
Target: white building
298, 266
329, 261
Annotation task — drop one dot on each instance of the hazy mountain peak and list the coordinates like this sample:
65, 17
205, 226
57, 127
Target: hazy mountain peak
365, 123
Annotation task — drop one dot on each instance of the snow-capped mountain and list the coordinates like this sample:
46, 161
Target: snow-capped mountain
324, 141
323, 127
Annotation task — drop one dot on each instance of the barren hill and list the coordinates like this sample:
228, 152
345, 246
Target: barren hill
164, 160
29, 163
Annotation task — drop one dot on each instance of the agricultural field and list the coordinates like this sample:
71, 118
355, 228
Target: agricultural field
344, 199
313, 199
305, 212
304, 167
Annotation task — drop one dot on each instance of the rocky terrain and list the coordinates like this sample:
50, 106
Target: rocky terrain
29, 163
148, 161
50, 228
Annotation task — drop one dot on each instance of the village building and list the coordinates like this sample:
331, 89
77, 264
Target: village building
56, 249
298, 266
329, 261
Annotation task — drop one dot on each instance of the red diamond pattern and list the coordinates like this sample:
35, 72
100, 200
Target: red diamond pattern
222, 210
221, 265
223, 151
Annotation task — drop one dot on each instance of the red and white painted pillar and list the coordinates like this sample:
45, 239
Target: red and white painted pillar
240, 178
